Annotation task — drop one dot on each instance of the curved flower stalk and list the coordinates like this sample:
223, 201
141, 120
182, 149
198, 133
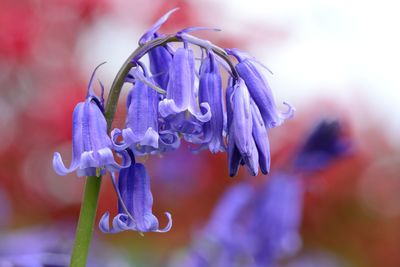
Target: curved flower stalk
91, 146
260, 90
134, 205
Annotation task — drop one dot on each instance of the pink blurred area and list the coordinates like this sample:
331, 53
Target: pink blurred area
47, 52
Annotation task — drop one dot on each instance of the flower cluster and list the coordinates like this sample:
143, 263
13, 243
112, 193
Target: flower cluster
179, 96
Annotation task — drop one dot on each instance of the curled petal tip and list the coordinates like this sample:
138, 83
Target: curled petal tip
117, 145
104, 224
290, 112
59, 167
169, 224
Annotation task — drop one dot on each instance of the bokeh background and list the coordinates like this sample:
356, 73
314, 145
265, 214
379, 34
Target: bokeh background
330, 59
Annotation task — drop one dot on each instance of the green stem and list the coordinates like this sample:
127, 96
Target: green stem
87, 214
90, 199
86, 222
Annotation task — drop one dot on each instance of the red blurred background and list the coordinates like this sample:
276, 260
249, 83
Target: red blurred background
47, 52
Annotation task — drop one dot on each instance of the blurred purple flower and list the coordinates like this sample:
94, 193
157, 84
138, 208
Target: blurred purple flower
251, 228
135, 204
276, 219
324, 144
50, 246
91, 146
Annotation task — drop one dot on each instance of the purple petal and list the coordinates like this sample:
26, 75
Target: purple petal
181, 84
168, 107
169, 141
196, 112
242, 120
251, 160
142, 199
234, 157
154, 28
169, 224
119, 145
260, 91
142, 111
104, 224
160, 60
59, 166
210, 91
260, 136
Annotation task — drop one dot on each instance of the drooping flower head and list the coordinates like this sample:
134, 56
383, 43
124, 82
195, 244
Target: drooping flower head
191, 103
92, 151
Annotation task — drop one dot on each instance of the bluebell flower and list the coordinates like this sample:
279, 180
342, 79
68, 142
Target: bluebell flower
241, 145
180, 107
324, 144
260, 136
210, 91
92, 151
142, 133
249, 70
135, 204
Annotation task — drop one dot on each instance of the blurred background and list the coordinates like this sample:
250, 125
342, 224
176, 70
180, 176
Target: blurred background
330, 59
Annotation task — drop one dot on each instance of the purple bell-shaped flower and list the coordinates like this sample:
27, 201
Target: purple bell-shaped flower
92, 151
